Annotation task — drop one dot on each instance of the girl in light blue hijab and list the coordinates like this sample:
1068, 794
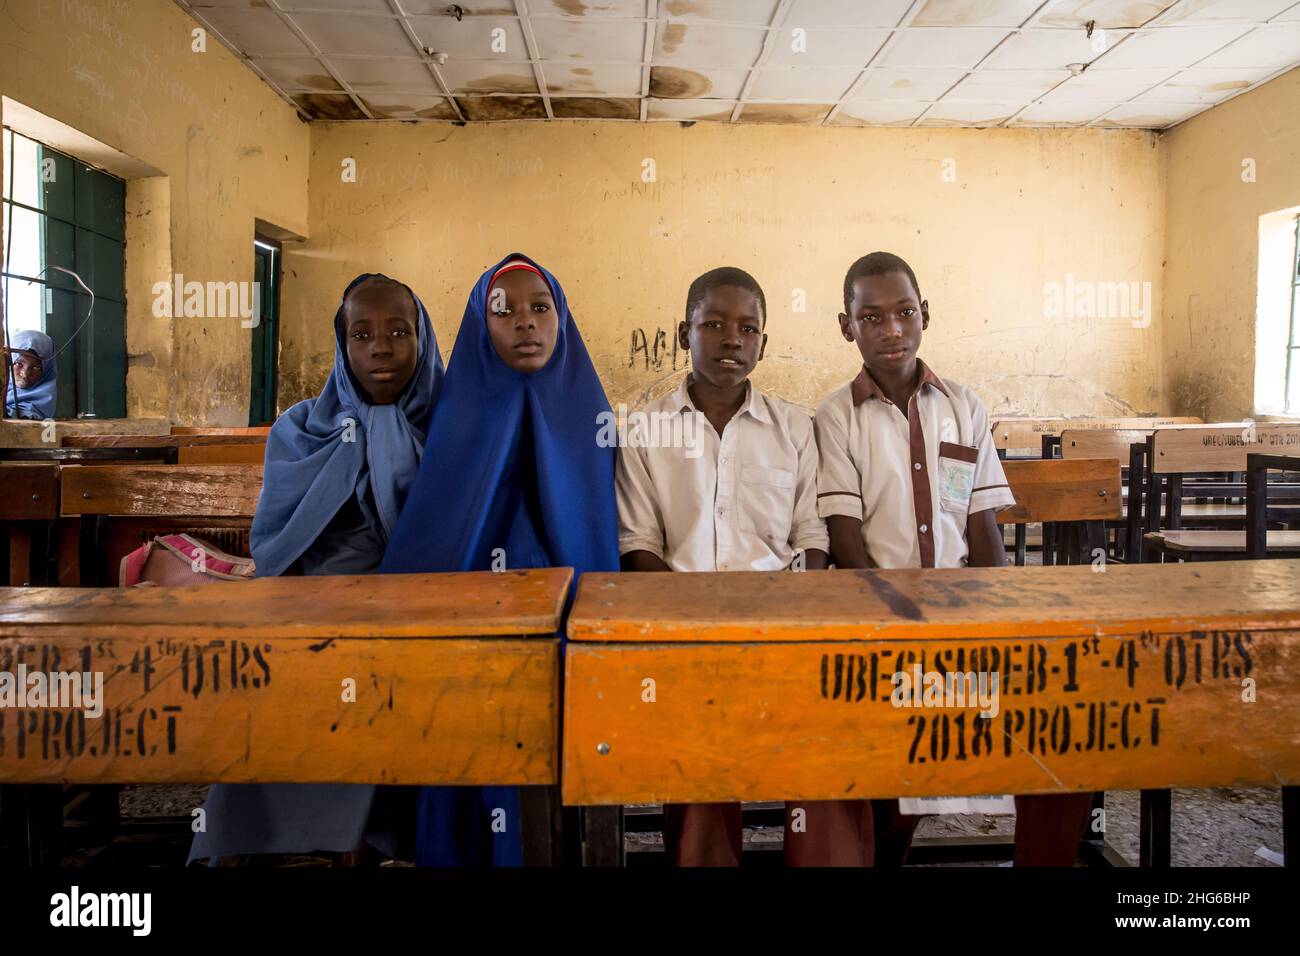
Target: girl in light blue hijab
337, 471
31, 392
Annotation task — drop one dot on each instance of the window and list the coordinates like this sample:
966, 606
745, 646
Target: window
266, 334
59, 212
1292, 403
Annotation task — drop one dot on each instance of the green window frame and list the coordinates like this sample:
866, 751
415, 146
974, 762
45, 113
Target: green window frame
79, 214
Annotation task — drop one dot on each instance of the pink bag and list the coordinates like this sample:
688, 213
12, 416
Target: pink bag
178, 559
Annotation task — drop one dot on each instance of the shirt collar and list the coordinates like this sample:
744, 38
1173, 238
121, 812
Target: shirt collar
754, 403
864, 386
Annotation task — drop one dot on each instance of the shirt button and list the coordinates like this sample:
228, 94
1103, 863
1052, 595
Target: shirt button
917, 466
924, 529
722, 512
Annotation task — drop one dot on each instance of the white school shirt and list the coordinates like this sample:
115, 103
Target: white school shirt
908, 476
745, 501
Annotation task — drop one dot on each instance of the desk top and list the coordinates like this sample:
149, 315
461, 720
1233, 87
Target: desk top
957, 602
471, 604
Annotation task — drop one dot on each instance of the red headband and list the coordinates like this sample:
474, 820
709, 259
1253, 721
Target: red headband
512, 265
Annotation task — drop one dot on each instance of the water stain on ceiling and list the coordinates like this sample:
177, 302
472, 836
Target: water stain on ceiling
501, 107
595, 107
329, 106
674, 83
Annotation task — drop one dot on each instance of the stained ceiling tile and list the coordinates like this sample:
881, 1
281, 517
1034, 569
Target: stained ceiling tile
1171, 47
1006, 86
396, 106
473, 37
796, 113
810, 84
675, 82
718, 111
703, 45
975, 13
1061, 113
591, 9
602, 41
1149, 115
845, 13
947, 113
893, 113
406, 76
365, 35
329, 106
722, 11
1272, 47
1204, 86
1208, 11
487, 108
826, 48
612, 80
1102, 85
942, 47
297, 73
1107, 14
907, 84
255, 32
1048, 50
342, 6
476, 76
596, 107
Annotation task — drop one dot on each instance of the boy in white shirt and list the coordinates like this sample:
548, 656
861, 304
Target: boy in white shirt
909, 478
741, 495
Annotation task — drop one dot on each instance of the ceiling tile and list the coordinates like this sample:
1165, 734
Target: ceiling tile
946, 46
881, 84
364, 35
675, 82
1107, 14
396, 106
1149, 115
723, 11
1172, 47
845, 13
827, 48
477, 76
900, 113
948, 113
1006, 86
1272, 47
592, 9
342, 6
596, 107
1061, 113
297, 73
472, 37
612, 80
1102, 85
696, 45
810, 84
486, 108
713, 110
1202, 11
406, 76
1204, 86
975, 13
255, 32
1047, 50
329, 106
796, 113
602, 41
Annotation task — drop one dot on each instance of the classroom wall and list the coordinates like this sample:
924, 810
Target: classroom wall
229, 151
1213, 223
988, 218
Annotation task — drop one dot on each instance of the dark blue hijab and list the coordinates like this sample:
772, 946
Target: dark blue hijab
511, 463
336, 445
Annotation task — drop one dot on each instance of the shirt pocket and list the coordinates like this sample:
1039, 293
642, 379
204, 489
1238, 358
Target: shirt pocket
767, 502
956, 476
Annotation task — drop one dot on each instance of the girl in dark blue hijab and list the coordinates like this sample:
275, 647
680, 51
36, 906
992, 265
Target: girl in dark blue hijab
513, 475
337, 470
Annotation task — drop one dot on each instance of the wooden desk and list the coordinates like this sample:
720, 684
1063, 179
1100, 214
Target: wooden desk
29, 506
778, 686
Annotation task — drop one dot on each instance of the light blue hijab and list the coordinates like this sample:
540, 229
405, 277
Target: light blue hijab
37, 401
315, 459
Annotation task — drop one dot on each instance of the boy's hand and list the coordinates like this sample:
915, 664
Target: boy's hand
815, 559
848, 550
642, 561
984, 540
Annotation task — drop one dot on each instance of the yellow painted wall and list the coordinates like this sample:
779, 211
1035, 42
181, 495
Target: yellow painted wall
124, 73
1212, 221
434, 205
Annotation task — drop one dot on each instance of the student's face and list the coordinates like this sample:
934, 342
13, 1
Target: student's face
383, 340
725, 336
28, 370
522, 320
885, 321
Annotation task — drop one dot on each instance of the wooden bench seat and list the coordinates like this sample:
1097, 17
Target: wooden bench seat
1221, 542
